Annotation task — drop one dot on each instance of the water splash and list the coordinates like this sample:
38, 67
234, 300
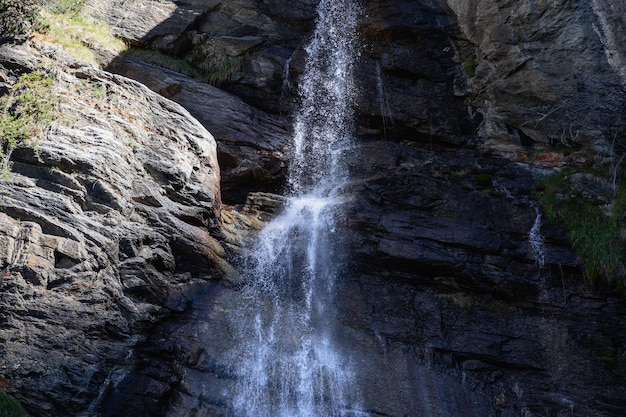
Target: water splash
289, 363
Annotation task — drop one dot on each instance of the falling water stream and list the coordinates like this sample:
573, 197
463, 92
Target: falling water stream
289, 363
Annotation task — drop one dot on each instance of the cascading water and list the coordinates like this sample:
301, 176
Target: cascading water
289, 361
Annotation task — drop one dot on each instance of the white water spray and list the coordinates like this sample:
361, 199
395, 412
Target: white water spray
289, 363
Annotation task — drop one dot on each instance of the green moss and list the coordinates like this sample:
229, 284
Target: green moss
483, 180
469, 65
9, 407
462, 300
594, 234
610, 360
24, 112
499, 307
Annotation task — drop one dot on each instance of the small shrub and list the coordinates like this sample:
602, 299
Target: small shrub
462, 300
18, 19
23, 112
65, 6
160, 59
610, 360
214, 64
9, 407
204, 63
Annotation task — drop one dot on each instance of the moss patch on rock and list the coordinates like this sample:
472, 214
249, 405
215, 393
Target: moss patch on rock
594, 230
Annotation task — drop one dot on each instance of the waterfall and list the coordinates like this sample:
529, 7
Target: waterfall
289, 361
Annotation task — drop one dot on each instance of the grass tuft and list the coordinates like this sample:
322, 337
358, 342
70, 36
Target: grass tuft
80, 35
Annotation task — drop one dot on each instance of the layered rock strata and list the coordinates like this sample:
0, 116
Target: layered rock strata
116, 207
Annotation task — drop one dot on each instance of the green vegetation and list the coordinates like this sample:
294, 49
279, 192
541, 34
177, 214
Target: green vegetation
59, 21
214, 63
65, 6
31, 103
469, 65
18, 19
79, 34
9, 407
23, 113
179, 65
595, 234
484, 179
207, 63
462, 300
613, 359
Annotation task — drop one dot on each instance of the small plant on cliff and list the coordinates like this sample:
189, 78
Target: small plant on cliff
18, 19
9, 407
23, 113
162, 60
595, 235
469, 65
214, 63
65, 6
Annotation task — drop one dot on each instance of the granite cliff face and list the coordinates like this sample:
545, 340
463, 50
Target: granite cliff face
118, 253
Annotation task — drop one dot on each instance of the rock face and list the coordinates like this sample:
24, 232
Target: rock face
252, 144
449, 306
545, 72
461, 299
527, 72
480, 304
118, 208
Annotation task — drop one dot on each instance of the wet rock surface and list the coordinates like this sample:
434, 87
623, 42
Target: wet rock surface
433, 70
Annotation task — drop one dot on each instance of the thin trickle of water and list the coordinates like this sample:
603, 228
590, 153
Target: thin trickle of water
385, 110
535, 238
287, 84
501, 188
288, 360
